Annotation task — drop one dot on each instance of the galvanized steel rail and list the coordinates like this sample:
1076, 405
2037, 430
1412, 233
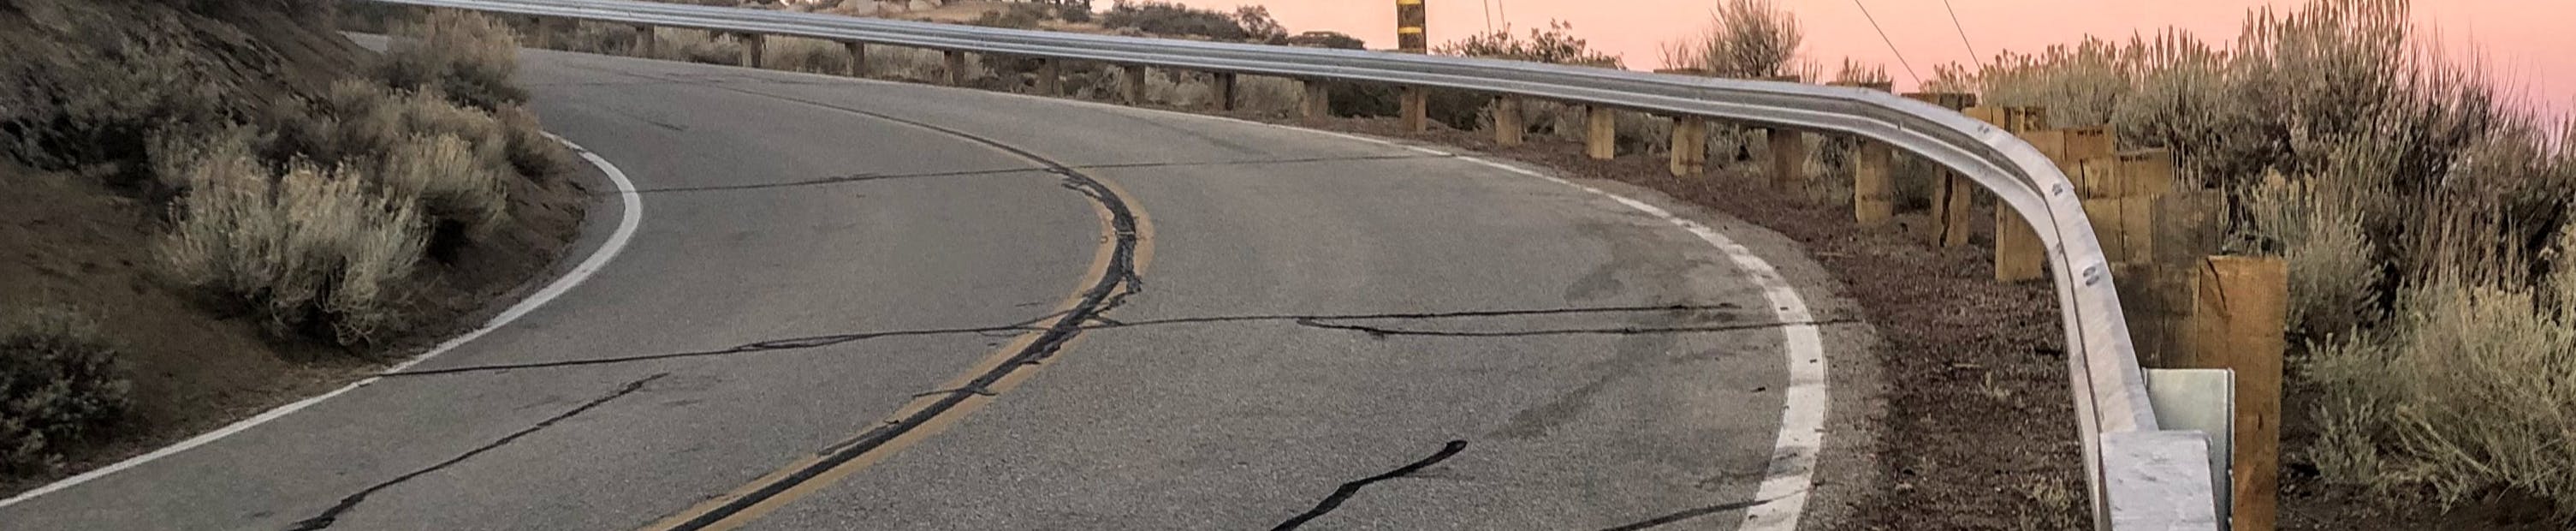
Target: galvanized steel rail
2141, 478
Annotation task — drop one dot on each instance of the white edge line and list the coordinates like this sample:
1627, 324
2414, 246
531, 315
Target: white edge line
631, 216
1783, 494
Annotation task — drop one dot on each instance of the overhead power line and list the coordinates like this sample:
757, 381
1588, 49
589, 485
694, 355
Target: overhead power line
1891, 43
1963, 33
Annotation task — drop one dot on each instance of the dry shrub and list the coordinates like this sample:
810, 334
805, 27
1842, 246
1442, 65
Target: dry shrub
1166, 18
467, 56
918, 64
1274, 96
312, 250
1555, 44
1745, 39
697, 46
443, 177
2468, 390
807, 55
2417, 212
58, 382
595, 37
532, 153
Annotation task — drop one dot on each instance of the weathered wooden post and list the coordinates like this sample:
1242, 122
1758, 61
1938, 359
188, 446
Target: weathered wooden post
1690, 146
1416, 111
646, 44
1410, 21
1132, 86
1050, 77
754, 46
1788, 158
1508, 128
858, 66
1318, 103
1952, 195
2239, 320
1224, 89
1600, 133
1873, 176
2019, 254
956, 61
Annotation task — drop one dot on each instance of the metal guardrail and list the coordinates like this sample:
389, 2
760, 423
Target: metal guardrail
2140, 477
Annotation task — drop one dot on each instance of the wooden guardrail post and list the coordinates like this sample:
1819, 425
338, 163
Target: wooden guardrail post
858, 66
1415, 110
956, 62
1788, 158
2019, 255
754, 46
1953, 196
1050, 77
1224, 89
539, 34
1600, 133
1508, 128
2239, 317
1132, 86
1690, 146
646, 44
1318, 102
1873, 174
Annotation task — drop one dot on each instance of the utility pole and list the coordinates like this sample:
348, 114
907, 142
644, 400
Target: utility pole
1409, 22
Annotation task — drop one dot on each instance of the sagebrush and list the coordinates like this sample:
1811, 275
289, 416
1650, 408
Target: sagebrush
2417, 209
59, 381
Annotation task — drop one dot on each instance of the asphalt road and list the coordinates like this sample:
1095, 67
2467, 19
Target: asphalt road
866, 305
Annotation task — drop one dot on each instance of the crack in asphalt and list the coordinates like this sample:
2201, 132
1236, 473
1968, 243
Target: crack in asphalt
332, 515
1116, 283
1378, 332
1335, 322
866, 177
1353, 488
1686, 515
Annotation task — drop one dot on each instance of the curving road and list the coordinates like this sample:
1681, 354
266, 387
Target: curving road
865, 305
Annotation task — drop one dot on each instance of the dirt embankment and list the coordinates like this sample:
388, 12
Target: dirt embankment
85, 89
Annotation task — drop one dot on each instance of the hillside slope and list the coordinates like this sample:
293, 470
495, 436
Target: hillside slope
86, 90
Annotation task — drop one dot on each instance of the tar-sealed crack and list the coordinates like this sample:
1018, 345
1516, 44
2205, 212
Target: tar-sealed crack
1353, 488
866, 177
1111, 290
1097, 322
332, 515
1686, 515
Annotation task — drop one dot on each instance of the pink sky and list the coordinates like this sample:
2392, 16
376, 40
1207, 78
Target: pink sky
2529, 43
